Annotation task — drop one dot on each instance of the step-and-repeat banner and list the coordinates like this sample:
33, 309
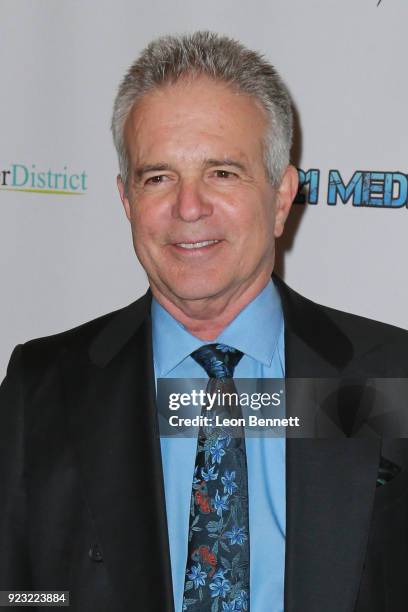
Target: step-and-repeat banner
66, 249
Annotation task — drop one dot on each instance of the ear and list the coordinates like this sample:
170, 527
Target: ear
123, 196
286, 193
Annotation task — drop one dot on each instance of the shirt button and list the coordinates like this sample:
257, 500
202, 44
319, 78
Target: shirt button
95, 553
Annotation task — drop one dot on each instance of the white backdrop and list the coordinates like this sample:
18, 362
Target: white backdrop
68, 258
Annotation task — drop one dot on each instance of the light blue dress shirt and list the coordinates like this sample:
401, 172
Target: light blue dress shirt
257, 331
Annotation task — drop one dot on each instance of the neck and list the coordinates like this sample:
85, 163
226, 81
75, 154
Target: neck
207, 318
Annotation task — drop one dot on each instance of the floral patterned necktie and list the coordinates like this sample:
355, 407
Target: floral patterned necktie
217, 574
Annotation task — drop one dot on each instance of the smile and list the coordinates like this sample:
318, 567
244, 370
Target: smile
196, 245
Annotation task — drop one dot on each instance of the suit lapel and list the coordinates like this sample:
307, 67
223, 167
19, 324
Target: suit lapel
112, 419
330, 483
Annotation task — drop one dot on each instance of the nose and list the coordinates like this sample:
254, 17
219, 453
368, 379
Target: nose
191, 202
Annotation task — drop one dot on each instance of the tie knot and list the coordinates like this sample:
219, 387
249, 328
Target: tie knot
218, 360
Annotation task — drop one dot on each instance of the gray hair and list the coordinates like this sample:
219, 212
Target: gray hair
169, 58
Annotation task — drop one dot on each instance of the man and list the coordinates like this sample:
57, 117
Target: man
92, 500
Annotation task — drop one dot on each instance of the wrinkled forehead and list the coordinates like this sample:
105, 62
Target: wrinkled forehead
193, 114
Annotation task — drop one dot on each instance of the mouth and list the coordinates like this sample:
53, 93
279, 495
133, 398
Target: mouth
196, 245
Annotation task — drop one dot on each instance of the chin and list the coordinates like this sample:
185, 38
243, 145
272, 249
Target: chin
197, 289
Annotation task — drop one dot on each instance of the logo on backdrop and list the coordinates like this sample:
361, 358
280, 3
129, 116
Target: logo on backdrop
20, 177
379, 2
365, 188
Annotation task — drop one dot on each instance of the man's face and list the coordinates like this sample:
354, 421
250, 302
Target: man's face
202, 211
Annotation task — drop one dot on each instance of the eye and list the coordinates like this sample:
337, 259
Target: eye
224, 174
155, 180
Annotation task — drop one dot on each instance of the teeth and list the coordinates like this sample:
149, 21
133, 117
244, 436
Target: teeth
196, 245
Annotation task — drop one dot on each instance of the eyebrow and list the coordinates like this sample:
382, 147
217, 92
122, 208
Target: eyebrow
209, 163
141, 170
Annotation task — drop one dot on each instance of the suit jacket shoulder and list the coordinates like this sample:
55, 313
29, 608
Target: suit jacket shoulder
351, 342
94, 337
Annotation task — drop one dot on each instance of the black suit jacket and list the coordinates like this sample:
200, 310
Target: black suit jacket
81, 489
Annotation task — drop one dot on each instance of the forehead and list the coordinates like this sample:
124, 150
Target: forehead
194, 114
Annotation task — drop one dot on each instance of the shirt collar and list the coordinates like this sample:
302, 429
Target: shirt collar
172, 343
